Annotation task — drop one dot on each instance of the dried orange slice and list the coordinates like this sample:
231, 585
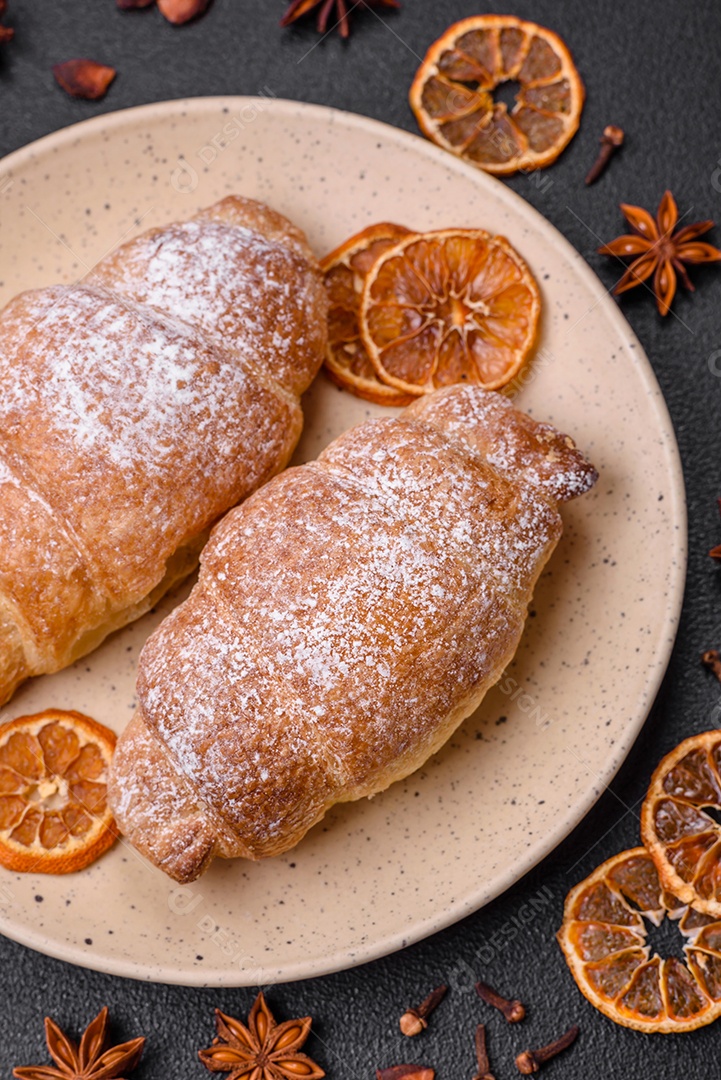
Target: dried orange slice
684, 841
345, 270
452, 93
54, 817
603, 937
458, 305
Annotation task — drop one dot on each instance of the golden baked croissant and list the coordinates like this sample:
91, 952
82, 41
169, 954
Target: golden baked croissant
135, 409
347, 618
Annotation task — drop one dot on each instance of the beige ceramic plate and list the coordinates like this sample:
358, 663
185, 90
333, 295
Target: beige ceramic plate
522, 772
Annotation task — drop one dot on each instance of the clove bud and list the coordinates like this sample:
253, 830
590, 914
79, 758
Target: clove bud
414, 1021
484, 1068
712, 659
530, 1061
611, 139
513, 1009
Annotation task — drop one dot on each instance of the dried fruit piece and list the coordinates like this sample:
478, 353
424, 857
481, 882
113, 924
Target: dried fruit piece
603, 937
438, 308
84, 78
182, 11
452, 93
347, 362
684, 840
54, 817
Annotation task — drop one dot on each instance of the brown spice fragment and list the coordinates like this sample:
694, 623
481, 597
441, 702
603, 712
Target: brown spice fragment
415, 1020
715, 552
84, 78
512, 1009
6, 32
132, 5
530, 1061
712, 659
182, 11
406, 1072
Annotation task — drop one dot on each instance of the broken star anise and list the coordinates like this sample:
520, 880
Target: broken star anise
263, 1050
339, 9
91, 1060
660, 251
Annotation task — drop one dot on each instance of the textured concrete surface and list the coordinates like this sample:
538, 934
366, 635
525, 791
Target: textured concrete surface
652, 67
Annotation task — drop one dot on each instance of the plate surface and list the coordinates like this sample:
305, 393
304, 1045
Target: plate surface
519, 774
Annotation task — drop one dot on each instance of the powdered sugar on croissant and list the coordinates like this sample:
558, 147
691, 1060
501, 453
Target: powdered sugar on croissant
136, 408
347, 618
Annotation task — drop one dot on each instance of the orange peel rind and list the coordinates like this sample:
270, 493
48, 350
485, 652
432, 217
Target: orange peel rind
452, 94
347, 362
603, 938
446, 307
683, 839
54, 817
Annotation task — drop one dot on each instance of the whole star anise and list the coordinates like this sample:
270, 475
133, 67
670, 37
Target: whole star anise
340, 9
659, 250
92, 1060
263, 1050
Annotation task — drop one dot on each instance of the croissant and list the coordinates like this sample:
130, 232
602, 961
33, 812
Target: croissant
347, 617
136, 407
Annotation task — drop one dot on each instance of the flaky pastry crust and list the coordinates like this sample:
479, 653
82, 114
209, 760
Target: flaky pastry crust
137, 406
348, 616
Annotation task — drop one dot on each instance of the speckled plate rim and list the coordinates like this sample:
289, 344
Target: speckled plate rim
420, 927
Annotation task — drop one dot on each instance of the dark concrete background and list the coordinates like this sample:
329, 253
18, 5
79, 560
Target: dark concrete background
653, 67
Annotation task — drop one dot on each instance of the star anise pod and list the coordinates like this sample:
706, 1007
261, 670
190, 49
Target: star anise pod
339, 9
660, 251
91, 1060
263, 1050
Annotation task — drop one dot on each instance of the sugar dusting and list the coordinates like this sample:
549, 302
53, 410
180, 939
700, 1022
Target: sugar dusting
247, 293
346, 610
114, 379
111, 408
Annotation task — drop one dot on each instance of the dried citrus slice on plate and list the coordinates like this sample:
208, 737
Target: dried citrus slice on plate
457, 305
603, 937
345, 270
683, 838
452, 93
54, 817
